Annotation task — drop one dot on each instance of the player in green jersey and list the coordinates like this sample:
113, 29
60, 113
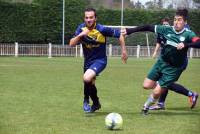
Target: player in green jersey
170, 63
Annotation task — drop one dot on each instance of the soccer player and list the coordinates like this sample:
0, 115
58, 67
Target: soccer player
93, 38
160, 105
170, 63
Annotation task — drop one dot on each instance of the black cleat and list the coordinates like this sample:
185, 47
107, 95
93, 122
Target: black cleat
145, 111
95, 107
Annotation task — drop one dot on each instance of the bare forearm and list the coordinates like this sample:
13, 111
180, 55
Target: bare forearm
124, 54
122, 43
74, 41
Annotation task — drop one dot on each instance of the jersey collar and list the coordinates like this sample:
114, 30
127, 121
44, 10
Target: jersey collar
180, 31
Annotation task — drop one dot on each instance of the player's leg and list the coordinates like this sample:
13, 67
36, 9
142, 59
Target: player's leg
151, 83
166, 76
178, 89
88, 79
152, 98
94, 69
184, 91
160, 105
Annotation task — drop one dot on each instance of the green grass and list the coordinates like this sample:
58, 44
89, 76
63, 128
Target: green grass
44, 96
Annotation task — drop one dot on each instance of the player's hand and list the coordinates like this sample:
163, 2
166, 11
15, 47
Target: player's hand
124, 56
123, 31
154, 55
85, 32
180, 46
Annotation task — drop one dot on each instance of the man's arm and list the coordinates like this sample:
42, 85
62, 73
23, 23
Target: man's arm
75, 40
124, 55
156, 50
194, 44
127, 31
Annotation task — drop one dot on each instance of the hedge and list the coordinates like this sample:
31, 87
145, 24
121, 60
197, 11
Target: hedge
42, 23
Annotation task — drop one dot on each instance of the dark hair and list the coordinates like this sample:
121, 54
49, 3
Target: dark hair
91, 9
182, 12
166, 19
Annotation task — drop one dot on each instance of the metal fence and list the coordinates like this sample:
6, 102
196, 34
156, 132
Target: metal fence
50, 50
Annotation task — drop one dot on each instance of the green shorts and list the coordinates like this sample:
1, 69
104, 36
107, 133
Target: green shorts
164, 73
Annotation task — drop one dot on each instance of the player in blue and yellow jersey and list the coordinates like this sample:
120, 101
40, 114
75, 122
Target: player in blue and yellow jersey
92, 36
170, 63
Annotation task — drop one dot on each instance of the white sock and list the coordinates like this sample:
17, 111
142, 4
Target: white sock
150, 101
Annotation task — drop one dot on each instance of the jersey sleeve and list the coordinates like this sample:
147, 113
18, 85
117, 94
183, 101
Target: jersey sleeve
191, 36
160, 29
78, 31
110, 32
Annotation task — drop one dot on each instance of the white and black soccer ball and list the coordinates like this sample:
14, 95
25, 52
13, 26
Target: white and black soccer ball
114, 121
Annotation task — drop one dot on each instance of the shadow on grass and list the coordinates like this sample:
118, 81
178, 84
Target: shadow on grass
169, 112
97, 113
177, 111
184, 109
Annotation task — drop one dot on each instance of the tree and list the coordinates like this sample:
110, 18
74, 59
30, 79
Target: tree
138, 4
197, 3
149, 5
160, 3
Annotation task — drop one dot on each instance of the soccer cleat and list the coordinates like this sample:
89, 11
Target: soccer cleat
95, 107
86, 107
193, 100
145, 111
159, 106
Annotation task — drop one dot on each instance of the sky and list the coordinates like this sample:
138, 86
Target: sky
142, 1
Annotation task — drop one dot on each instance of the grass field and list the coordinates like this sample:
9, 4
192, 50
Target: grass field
44, 96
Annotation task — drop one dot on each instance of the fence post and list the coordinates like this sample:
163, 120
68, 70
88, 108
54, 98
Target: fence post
138, 51
148, 49
81, 50
110, 50
16, 49
76, 51
191, 53
50, 51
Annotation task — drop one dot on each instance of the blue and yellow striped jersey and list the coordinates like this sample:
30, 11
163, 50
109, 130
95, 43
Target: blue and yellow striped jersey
94, 45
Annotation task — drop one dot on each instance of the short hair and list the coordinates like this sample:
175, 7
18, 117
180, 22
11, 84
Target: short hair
166, 19
91, 9
182, 12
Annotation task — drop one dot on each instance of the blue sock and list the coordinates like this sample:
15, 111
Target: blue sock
179, 89
163, 97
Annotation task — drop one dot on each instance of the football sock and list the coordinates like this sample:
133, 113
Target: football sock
93, 95
149, 102
90, 90
163, 97
86, 91
179, 89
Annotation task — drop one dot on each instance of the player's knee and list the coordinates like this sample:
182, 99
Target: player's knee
87, 79
146, 86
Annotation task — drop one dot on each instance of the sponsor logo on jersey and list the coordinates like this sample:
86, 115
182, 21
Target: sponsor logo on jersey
182, 38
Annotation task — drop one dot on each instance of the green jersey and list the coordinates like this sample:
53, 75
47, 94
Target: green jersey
170, 54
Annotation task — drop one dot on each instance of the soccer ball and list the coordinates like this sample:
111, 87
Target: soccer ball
113, 121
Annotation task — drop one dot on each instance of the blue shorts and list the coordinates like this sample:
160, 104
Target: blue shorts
97, 66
